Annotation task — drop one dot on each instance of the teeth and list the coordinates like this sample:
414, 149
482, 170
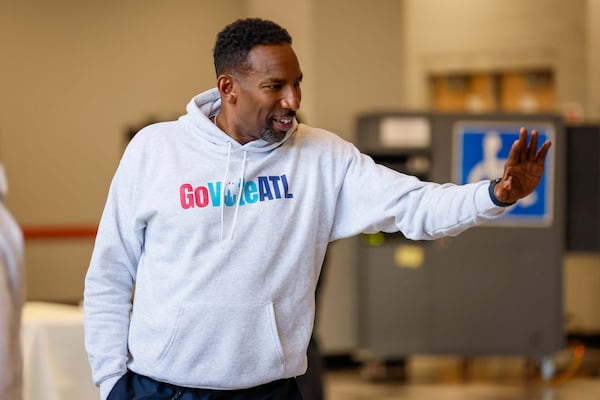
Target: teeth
285, 121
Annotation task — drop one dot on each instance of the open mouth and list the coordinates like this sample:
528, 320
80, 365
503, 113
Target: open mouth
283, 123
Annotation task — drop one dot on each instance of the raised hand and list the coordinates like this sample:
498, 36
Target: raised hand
523, 169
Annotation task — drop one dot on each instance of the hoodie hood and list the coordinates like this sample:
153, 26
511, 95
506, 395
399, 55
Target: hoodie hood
208, 104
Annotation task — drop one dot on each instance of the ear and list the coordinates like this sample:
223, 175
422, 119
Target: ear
227, 87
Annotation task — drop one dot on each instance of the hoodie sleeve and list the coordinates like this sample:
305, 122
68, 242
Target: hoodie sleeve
375, 198
110, 279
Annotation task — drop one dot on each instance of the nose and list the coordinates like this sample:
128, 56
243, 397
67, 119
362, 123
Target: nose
291, 98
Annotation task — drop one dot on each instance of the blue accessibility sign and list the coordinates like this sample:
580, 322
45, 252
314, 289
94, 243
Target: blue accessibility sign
480, 152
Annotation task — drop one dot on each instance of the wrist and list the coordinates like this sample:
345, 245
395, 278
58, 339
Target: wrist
495, 199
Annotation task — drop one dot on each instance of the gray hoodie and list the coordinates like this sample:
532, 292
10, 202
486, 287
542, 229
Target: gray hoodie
224, 244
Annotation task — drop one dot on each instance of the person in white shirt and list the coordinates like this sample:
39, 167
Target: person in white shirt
11, 300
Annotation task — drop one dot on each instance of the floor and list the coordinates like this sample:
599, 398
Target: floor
438, 378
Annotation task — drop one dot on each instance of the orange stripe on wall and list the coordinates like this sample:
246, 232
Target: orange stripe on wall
59, 232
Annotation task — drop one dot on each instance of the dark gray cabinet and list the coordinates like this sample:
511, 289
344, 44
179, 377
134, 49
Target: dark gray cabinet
493, 290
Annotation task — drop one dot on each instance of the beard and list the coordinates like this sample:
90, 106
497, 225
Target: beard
268, 134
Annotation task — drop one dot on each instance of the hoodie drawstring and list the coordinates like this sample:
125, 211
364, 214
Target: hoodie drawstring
239, 195
224, 188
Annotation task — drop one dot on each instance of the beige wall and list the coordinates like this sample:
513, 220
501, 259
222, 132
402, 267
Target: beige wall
472, 35
75, 75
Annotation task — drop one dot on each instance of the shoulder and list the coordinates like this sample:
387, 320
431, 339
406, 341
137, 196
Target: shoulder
318, 137
155, 131
148, 144
324, 147
153, 137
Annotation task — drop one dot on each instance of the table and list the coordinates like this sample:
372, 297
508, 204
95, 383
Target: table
55, 365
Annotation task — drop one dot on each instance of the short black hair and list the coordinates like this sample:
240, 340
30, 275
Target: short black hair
236, 40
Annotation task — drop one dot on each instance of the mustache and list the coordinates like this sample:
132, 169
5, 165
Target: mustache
290, 113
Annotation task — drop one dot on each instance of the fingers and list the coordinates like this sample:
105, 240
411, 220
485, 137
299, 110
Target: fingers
530, 151
514, 154
521, 151
541, 154
518, 150
523, 144
532, 148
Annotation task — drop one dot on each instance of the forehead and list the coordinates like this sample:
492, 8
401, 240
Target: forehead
277, 61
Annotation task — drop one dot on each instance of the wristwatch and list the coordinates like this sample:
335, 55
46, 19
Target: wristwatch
495, 200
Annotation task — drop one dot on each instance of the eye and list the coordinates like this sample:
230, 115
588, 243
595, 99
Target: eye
274, 87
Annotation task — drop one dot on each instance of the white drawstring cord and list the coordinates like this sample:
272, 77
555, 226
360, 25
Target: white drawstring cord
240, 193
224, 183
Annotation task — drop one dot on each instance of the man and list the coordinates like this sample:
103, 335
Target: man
221, 219
11, 300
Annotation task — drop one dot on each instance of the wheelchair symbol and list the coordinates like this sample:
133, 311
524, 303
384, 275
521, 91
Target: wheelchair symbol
492, 165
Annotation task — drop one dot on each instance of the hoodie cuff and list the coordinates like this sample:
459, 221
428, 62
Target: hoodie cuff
107, 385
484, 202
495, 200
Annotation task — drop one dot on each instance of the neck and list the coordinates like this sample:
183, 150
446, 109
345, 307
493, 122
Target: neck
219, 124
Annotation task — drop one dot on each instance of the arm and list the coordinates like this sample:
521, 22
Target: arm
375, 198
109, 284
522, 171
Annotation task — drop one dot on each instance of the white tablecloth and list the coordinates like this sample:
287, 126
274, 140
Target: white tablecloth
55, 362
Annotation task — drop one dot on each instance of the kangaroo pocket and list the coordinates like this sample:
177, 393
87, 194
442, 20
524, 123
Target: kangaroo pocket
224, 346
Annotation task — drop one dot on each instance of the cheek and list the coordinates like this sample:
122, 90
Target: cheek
256, 110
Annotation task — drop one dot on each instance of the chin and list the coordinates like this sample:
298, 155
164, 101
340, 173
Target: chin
271, 136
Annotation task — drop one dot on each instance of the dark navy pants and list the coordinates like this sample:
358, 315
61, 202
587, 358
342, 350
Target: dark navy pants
133, 386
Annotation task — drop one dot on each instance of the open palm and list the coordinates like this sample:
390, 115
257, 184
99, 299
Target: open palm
523, 169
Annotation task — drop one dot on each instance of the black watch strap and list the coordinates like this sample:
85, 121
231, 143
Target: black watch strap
495, 200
